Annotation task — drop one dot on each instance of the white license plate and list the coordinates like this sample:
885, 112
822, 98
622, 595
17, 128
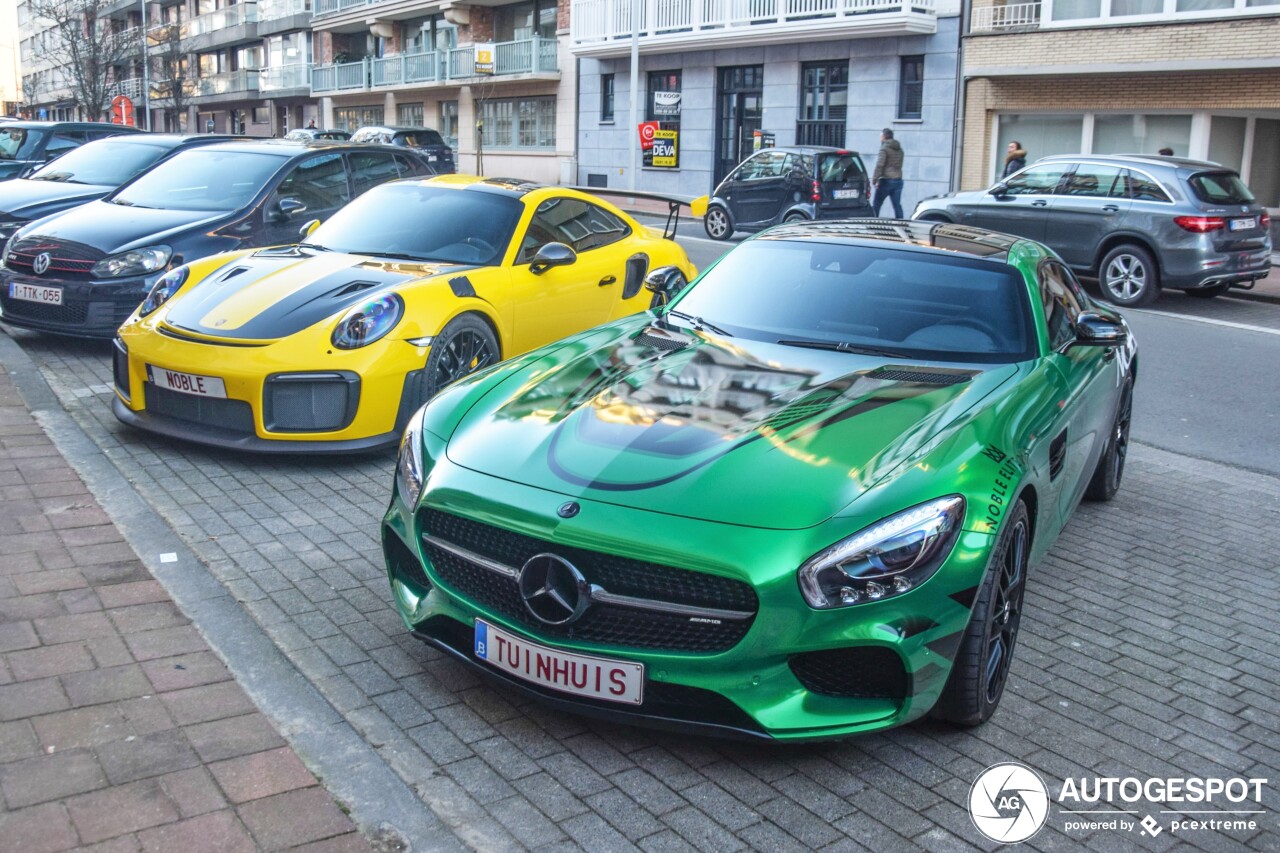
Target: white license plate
844, 193
1246, 224
187, 383
581, 675
35, 293
431, 158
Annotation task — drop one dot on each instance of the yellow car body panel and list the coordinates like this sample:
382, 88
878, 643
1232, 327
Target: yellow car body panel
229, 340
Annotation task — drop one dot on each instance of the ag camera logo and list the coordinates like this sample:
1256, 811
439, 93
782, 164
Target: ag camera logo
1009, 802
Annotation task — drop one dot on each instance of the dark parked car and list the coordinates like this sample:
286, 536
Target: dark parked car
1137, 222
82, 272
788, 185
24, 144
85, 174
309, 133
429, 142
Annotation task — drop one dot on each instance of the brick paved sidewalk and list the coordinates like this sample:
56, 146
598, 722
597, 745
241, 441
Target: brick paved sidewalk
117, 723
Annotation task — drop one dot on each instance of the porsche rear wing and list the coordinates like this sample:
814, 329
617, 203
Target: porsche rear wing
697, 206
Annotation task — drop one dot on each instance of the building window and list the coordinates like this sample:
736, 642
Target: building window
409, 115
606, 98
518, 122
911, 87
353, 118
261, 115
522, 21
824, 103
449, 123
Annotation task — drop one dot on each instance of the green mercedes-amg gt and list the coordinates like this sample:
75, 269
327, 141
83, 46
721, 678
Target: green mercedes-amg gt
801, 500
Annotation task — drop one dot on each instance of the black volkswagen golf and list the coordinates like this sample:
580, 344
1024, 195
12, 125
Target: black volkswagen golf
82, 272
89, 172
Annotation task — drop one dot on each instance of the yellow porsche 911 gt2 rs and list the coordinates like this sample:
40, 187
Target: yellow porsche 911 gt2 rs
330, 344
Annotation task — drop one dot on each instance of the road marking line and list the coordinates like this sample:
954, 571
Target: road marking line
1211, 321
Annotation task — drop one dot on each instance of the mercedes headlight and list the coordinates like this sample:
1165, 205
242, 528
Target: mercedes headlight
889, 558
368, 322
134, 262
410, 473
165, 286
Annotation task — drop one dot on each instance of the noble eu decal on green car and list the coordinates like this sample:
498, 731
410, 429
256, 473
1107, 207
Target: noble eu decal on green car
800, 500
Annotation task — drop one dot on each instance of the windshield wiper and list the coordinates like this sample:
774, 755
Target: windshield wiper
124, 203
61, 177
698, 323
844, 346
315, 246
378, 253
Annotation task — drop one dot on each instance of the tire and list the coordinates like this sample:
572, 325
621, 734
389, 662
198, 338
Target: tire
717, 224
464, 345
1105, 481
934, 217
981, 668
1208, 292
1128, 276
795, 217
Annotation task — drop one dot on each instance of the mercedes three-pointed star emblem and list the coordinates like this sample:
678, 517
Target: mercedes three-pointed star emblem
553, 590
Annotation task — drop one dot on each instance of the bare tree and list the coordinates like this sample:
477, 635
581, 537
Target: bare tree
30, 91
174, 82
82, 44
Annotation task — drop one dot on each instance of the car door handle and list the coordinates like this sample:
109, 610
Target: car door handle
1110, 208
1039, 203
607, 280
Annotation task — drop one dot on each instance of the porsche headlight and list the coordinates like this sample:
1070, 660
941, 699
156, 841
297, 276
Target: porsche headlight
888, 558
134, 262
409, 467
368, 322
165, 286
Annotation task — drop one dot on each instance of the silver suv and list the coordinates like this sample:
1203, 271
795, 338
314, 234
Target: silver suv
1136, 222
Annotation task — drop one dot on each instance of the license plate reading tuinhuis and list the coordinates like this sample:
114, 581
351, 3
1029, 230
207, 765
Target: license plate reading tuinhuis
187, 383
581, 675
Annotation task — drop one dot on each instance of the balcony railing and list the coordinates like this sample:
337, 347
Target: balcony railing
525, 56
130, 88
329, 7
606, 21
1013, 16
284, 77
228, 16
270, 10
227, 83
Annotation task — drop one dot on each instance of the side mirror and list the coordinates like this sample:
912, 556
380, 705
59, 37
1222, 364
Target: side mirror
305, 231
665, 283
552, 255
1000, 189
287, 208
1094, 330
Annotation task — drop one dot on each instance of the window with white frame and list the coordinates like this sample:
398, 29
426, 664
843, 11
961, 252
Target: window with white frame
519, 122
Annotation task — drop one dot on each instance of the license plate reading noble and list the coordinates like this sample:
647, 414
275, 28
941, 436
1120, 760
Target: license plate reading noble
581, 675
187, 383
1246, 224
844, 193
35, 293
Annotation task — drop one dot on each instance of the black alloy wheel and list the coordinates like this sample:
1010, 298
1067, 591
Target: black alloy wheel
465, 345
1106, 477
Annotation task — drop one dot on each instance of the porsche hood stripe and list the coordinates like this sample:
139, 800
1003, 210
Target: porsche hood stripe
280, 296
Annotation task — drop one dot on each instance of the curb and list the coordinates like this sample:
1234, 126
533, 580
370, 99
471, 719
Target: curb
382, 804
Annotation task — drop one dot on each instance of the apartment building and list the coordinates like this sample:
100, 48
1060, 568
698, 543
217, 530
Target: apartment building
494, 79
723, 77
1201, 77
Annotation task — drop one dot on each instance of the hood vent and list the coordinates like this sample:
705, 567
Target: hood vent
353, 288
921, 375
232, 273
651, 338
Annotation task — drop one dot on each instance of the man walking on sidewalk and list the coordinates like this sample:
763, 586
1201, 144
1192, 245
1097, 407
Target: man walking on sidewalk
887, 177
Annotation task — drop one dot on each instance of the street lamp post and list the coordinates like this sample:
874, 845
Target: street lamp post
146, 68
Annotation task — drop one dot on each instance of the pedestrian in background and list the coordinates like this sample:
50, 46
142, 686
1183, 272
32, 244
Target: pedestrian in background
887, 177
1015, 158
